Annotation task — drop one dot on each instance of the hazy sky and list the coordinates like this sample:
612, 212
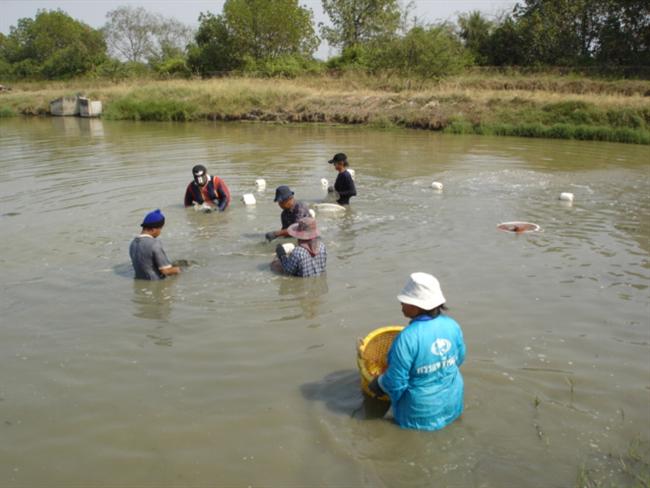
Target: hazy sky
93, 12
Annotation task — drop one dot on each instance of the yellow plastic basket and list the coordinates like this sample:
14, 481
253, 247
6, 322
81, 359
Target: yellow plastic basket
372, 359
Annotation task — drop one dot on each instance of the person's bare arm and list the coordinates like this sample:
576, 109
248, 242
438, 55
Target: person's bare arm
170, 270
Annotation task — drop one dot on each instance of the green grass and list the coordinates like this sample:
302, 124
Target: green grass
554, 131
542, 107
628, 469
131, 108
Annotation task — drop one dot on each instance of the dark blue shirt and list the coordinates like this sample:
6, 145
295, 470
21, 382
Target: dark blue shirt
344, 186
293, 215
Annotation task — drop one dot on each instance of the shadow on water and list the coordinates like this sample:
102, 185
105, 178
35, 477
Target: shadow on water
341, 393
125, 270
308, 294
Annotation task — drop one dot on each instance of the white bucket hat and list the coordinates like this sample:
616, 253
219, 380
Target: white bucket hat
422, 290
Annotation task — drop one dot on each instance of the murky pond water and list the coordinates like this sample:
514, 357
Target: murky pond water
230, 375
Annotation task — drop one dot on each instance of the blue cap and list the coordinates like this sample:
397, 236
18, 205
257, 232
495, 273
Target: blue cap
282, 193
154, 219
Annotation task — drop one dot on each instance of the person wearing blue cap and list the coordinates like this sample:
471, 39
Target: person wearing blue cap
292, 211
147, 254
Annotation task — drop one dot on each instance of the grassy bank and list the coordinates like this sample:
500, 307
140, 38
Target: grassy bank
536, 106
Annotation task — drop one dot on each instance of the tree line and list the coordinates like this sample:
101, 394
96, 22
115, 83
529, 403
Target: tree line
279, 37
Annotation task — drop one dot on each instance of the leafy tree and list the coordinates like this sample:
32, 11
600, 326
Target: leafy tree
53, 45
578, 32
424, 52
267, 29
624, 33
359, 21
214, 50
505, 47
251, 32
475, 31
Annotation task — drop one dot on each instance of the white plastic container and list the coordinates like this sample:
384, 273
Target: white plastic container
329, 208
436, 185
261, 184
288, 247
324, 183
566, 197
248, 199
312, 213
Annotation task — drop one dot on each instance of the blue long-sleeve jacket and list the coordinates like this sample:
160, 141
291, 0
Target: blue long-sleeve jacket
423, 379
344, 186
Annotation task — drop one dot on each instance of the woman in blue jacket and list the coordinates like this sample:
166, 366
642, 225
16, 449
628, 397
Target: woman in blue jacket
423, 379
344, 184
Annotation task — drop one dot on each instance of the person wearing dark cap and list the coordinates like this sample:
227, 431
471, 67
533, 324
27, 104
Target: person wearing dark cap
147, 254
344, 184
207, 191
309, 257
292, 211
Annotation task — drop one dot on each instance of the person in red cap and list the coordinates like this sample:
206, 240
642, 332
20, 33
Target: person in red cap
207, 191
309, 257
147, 254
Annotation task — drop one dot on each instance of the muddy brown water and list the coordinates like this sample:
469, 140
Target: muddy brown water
230, 375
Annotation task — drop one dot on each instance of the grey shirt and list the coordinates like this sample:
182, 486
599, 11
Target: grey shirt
148, 256
294, 214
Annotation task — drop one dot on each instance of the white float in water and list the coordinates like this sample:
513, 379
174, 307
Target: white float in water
436, 185
261, 184
352, 173
324, 183
288, 247
329, 207
248, 199
312, 213
566, 197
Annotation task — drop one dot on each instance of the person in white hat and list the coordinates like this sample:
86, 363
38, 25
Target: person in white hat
423, 379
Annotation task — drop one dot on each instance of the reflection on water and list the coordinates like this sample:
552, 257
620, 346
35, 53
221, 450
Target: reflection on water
308, 293
153, 300
231, 374
74, 127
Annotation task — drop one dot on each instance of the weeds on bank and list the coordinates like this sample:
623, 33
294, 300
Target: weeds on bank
630, 469
451, 105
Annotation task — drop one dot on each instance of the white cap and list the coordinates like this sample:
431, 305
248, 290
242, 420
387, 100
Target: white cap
422, 290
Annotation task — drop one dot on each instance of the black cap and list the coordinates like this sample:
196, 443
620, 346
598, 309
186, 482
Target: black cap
282, 193
199, 169
339, 158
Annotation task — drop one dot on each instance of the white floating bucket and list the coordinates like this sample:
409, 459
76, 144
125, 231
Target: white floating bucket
352, 173
329, 208
566, 197
324, 183
203, 207
248, 199
436, 185
312, 213
261, 184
